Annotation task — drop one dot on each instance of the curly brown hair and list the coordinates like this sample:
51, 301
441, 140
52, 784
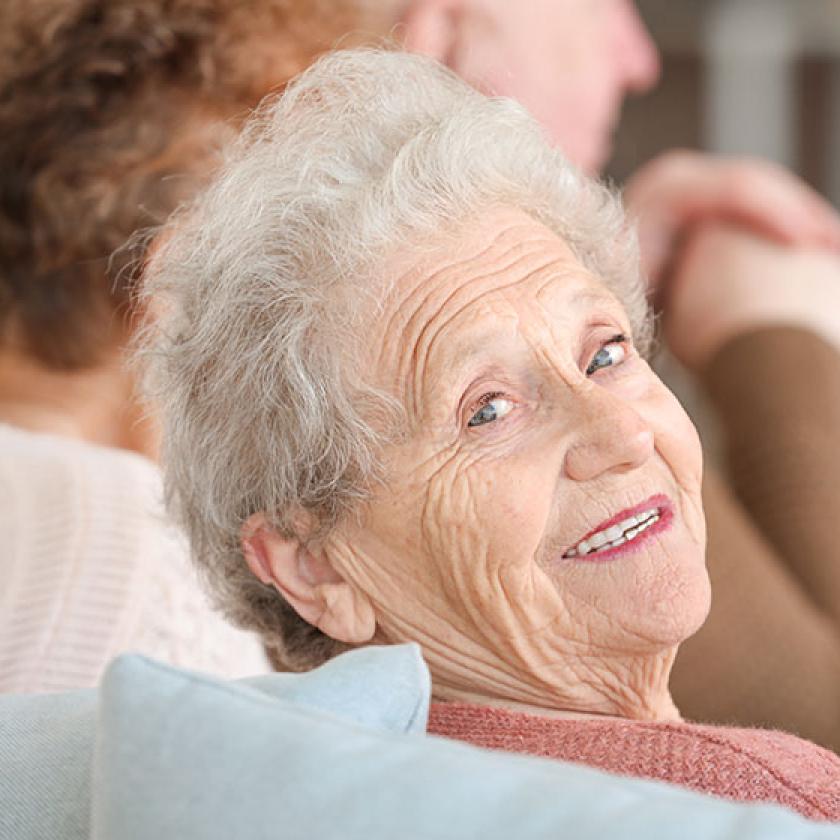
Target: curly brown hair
110, 114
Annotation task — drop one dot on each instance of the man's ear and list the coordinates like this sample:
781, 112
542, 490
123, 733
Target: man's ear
308, 581
431, 27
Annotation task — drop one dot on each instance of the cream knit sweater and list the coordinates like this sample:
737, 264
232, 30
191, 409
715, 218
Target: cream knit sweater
89, 568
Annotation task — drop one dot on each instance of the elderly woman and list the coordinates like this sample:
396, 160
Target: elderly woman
400, 358
769, 653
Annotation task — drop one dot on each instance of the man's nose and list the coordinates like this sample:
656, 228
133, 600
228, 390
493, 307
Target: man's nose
612, 437
636, 49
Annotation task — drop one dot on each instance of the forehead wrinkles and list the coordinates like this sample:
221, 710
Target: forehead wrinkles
439, 299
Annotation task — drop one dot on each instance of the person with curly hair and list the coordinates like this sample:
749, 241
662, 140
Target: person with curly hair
111, 114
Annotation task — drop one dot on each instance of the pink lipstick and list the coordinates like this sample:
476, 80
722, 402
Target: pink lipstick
624, 532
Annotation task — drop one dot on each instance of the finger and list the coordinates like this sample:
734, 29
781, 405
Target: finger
679, 190
778, 204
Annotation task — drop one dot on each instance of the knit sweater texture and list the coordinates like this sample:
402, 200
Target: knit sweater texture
89, 568
745, 765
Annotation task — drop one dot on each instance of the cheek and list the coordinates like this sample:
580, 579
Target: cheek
678, 444
575, 96
484, 515
483, 524
678, 441
676, 438
593, 104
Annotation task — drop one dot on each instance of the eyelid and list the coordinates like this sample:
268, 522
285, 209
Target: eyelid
615, 338
488, 397
477, 405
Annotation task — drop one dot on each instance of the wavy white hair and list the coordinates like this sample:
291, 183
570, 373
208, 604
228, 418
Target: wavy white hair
264, 284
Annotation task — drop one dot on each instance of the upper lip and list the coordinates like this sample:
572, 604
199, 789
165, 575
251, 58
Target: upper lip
660, 500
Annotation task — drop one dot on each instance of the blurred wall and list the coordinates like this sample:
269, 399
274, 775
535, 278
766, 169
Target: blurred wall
742, 77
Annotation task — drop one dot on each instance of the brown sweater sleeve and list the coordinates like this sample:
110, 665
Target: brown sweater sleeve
769, 653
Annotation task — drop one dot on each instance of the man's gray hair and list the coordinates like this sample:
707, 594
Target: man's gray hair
262, 288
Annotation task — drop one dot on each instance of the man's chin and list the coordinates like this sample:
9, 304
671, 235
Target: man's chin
601, 156
594, 157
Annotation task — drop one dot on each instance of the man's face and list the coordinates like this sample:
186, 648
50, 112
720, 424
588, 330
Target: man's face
569, 62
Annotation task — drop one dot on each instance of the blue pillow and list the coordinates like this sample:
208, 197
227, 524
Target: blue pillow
46, 756
384, 687
181, 756
47, 740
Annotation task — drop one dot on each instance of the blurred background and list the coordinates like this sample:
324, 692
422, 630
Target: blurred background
739, 77
742, 77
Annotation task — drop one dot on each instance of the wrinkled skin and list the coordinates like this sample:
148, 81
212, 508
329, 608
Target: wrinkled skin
462, 550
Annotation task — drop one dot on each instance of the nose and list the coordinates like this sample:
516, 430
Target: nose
613, 437
635, 49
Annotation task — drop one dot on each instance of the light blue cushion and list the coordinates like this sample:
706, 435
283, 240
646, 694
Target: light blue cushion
46, 756
181, 756
46, 740
383, 687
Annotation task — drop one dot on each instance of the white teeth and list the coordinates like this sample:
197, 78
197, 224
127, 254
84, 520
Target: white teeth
614, 532
599, 539
626, 530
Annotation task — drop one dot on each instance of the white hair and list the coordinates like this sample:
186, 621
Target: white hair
263, 286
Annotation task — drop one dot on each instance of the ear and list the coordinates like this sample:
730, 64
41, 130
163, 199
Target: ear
431, 27
308, 581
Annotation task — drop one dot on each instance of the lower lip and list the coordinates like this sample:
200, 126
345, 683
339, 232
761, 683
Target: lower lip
666, 519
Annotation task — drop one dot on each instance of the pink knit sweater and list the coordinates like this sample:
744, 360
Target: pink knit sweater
747, 765
89, 569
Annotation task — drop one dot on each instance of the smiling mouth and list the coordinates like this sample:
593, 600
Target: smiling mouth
626, 529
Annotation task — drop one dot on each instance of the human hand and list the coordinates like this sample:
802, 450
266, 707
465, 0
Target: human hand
728, 281
681, 189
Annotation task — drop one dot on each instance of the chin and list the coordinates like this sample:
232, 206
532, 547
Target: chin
590, 149
599, 159
596, 151
677, 605
664, 597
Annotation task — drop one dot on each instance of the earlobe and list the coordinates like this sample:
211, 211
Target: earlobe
347, 616
308, 582
430, 27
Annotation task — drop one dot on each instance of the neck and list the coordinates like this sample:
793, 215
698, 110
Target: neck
662, 709
98, 405
631, 688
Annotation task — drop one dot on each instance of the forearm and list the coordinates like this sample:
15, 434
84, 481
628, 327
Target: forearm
778, 395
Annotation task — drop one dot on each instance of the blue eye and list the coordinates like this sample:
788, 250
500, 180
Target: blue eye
614, 352
494, 408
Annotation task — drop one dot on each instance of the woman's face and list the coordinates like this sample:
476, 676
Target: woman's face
532, 425
570, 62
